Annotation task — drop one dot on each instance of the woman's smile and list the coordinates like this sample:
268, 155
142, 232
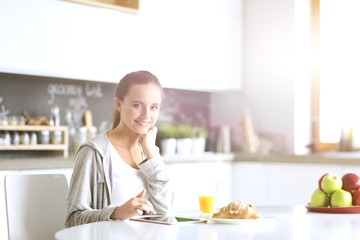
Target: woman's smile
143, 123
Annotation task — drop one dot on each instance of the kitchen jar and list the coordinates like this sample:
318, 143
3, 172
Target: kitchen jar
15, 138
24, 138
6, 139
3, 121
79, 138
56, 137
12, 120
91, 132
33, 138
44, 137
21, 121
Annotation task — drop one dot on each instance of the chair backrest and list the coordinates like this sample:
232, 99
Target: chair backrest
35, 205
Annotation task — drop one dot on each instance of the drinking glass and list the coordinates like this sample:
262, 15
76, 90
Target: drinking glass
208, 198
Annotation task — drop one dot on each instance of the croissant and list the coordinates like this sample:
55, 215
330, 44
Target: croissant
237, 210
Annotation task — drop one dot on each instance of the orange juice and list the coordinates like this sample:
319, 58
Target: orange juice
207, 204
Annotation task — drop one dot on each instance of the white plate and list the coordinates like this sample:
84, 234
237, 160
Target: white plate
265, 220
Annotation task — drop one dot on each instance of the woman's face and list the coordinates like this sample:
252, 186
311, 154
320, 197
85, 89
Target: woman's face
140, 107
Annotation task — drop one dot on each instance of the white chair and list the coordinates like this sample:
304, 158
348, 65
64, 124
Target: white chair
35, 205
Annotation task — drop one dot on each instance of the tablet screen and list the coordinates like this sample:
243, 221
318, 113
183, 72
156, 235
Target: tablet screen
163, 219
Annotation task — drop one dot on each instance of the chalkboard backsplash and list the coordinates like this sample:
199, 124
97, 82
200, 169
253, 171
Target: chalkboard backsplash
37, 94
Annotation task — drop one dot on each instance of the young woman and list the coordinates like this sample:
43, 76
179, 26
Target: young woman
120, 174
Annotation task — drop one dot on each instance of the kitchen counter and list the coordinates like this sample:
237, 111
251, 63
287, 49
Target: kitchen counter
328, 158
23, 163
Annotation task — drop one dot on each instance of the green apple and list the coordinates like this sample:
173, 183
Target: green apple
341, 198
331, 183
319, 199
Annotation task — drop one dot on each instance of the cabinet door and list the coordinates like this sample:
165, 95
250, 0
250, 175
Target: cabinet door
294, 183
249, 183
188, 178
187, 44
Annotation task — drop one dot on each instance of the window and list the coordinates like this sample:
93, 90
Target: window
335, 73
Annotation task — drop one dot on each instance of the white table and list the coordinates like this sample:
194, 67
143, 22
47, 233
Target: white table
292, 222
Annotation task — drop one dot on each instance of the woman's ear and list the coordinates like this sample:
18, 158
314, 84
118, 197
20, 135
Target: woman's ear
118, 104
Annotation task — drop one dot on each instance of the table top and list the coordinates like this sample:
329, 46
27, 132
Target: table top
285, 222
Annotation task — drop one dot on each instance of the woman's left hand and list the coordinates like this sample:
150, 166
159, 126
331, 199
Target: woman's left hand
148, 142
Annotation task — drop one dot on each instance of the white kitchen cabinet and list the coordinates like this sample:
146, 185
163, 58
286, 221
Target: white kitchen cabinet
249, 182
188, 45
271, 183
188, 178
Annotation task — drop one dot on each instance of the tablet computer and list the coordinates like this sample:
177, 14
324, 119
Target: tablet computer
164, 219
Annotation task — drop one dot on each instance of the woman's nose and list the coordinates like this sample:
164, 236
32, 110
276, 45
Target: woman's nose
146, 112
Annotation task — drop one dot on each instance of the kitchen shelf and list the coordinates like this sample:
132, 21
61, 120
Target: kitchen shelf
130, 6
64, 146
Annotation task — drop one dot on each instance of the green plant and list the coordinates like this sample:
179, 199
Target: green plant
167, 131
184, 131
199, 132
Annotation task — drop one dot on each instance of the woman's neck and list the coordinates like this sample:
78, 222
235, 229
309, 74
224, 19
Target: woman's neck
124, 137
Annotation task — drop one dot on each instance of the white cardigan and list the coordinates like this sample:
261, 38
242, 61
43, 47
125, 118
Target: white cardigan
89, 198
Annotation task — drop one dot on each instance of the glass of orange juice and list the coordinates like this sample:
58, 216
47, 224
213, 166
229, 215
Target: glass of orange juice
208, 198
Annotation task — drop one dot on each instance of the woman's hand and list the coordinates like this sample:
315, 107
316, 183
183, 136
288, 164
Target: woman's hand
135, 206
148, 142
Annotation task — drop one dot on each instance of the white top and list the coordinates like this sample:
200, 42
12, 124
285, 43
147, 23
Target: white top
128, 182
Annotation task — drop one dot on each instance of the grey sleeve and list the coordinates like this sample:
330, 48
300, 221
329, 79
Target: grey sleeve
160, 192
87, 201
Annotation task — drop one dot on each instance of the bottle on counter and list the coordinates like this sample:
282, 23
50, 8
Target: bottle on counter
6, 139
55, 116
33, 138
24, 138
44, 137
56, 137
16, 138
1, 138
12, 121
91, 132
79, 137
21, 121
3, 120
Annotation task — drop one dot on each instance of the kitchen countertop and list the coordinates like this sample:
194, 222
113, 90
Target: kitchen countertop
23, 163
328, 158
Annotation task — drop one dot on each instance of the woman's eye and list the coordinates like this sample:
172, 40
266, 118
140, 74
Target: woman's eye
155, 107
136, 105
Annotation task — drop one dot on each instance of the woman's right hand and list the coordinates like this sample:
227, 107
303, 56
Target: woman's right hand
135, 206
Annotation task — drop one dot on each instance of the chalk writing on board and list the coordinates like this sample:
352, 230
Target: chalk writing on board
77, 96
93, 91
3, 110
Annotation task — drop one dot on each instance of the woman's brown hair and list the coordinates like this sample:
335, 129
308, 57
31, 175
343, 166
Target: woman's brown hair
133, 78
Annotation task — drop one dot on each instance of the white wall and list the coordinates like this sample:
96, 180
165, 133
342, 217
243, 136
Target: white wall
268, 67
187, 44
276, 51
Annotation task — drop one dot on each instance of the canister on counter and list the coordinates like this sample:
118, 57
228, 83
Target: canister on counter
33, 138
3, 120
21, 121
15, 138
6, 139
91, 132
24, 138
79, 138
44, 137
12, 120
56, 137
